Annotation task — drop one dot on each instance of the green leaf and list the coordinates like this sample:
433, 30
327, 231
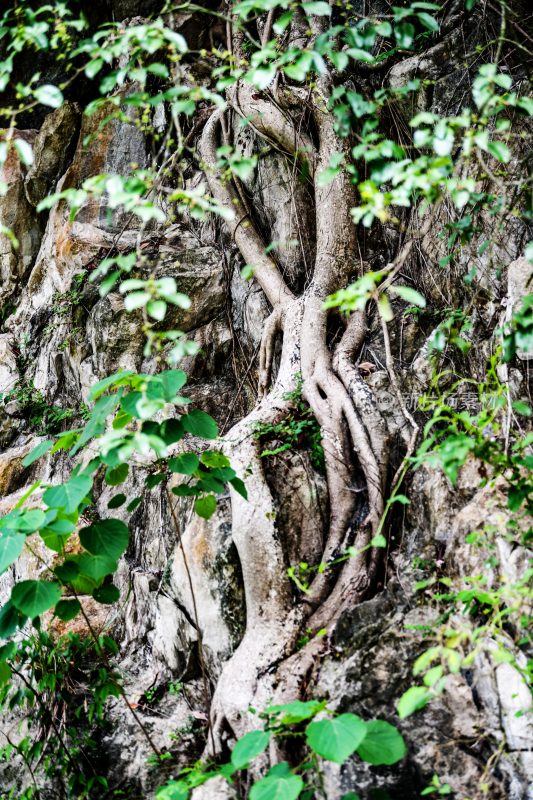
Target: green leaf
120, 378
284, 20
109, 537
317, 9
239, 487
526, 103
5, 672
173, 790
185, 491
500, 151
206, 506
129, 403
399, 498
116, 475
302, 64
67, 572
117, 501
106, 594
522, 408
49, 95
8, 651
279, 784
198, 423
135, 503
214, 458
30, 521
384, 308
68, 495
155, 479
412, 700
409, 295
185, 463
25, 151
360, 55
171, 431
67, 609
261, 77
10, 620
383, 744
35, 597
136, 300
177, 40
37, 452
404, 34
336, 739
249, 747
156, 309
428, 21
297, 711
96, 566
94, 67
11, 546
173, 380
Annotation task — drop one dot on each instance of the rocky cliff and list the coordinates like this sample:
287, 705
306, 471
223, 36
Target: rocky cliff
194, 638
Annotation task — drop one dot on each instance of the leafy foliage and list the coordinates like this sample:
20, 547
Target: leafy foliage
298, 431
332, 738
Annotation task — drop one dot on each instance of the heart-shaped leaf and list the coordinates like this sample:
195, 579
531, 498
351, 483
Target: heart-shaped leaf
35, 597
109, 537
336, 739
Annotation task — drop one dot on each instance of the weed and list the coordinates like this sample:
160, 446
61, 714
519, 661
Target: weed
43, 417
62, 714
299, 430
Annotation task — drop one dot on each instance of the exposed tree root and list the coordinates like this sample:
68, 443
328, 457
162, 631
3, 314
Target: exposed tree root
353, 433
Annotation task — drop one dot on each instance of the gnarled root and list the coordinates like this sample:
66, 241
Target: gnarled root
273, 326
352, 433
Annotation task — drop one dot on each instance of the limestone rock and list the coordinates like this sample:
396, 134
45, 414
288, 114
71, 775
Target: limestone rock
51, 151
21, 218
209, 561
366, 674
8, 364
519, 284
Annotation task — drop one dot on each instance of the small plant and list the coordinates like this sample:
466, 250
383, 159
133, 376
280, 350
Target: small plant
436, 787
60, 688
44, 418
324, 736
299, 430
489, 612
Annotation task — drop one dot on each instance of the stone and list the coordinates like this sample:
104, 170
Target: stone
278, 191
52, 151
302, 507
13, 475
199, 273
20, 217
519, 284
215, 789
208, 565
8, 364
367, 671
486, 511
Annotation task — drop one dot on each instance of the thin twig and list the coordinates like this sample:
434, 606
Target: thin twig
203, 669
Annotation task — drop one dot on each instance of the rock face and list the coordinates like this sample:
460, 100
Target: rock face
52, 151
17, 255
184, 609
